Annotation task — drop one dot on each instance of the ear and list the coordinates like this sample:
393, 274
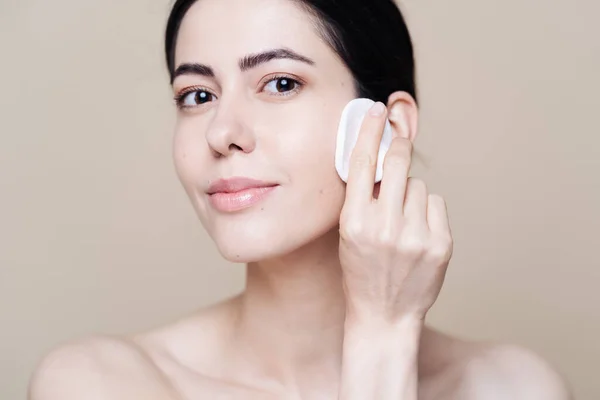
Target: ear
403, 114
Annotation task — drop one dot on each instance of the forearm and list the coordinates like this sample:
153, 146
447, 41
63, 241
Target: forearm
380, 361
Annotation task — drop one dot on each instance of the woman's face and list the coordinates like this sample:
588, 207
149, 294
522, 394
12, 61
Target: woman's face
275, 121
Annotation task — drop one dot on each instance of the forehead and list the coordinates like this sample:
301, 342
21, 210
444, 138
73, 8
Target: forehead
222, 31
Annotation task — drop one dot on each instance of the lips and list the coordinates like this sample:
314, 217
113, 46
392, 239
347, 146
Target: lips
230, 195
234, 185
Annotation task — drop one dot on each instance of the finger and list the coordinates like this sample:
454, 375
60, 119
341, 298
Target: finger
415, 202
363, 160
437, 216
396, 167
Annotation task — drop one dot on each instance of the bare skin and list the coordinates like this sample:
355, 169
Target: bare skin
336, 299
195, 358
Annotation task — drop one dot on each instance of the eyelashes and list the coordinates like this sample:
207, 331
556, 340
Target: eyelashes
195, 96
183, 98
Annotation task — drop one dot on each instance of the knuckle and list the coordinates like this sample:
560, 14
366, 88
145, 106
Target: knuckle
362, 160
441, 250
393, 158
412, 247
351, 230
387, 239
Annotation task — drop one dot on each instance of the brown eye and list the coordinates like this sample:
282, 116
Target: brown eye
195, 98
282, 85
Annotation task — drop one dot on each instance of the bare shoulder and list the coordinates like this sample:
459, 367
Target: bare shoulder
98, 368
452, 368
503, 371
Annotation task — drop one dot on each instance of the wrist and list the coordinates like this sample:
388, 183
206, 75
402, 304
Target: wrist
356, 318
406, 329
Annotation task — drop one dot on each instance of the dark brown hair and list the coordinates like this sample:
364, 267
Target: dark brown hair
370, 37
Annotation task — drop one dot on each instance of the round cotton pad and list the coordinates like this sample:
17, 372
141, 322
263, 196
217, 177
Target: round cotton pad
350, 124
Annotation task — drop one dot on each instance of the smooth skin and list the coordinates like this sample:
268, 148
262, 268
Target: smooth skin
336, 298
394, 251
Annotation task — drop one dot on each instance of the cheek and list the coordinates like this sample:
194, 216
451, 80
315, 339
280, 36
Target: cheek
314, 151
189, 154
311, 165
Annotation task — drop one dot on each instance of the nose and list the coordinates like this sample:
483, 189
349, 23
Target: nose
228, 134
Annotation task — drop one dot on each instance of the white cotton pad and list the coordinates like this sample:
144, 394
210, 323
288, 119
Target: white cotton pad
350, 124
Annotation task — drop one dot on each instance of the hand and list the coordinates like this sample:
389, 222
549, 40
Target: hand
395, 245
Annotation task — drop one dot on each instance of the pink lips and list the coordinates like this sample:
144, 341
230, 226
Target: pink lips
235, 194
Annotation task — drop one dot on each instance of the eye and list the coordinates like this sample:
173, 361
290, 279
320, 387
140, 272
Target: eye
193, 98
282, 84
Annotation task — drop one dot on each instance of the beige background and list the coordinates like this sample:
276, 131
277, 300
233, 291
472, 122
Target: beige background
96, 234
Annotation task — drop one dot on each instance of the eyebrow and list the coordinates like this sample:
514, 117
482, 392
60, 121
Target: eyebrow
246, 63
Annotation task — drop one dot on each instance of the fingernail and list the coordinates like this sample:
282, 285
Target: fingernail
377, 109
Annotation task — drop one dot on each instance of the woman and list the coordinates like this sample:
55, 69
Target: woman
340, 277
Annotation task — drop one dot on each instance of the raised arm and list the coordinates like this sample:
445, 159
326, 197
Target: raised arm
394, 251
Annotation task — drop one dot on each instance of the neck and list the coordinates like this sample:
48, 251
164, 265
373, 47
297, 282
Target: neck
292, 314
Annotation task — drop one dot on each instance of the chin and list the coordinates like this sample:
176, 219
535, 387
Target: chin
248, 253
254, 242
257, 245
